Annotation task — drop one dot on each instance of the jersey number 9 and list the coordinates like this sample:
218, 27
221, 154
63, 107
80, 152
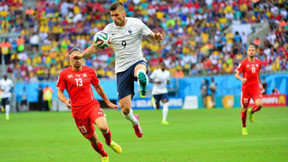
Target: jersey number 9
124, 44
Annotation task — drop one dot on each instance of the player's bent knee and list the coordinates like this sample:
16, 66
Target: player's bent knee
244, 109
93, 140
104, 129
125, 110
259, 104
157, 106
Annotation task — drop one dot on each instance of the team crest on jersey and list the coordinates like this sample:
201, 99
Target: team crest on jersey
70, 76
129, 31
248, 65
256, 65
84, 75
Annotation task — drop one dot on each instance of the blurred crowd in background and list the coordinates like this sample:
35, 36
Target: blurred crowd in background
194, 44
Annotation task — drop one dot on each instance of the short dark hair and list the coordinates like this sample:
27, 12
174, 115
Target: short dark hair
74, 49
116, 5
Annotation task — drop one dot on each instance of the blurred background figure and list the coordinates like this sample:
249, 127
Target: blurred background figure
6, 86
275, 91
6, 48
204, 91
40, 98
179, 73
213, 88
47, 97
23, 103
265, 85
160, 79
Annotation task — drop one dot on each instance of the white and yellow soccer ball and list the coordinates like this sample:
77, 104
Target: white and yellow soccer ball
102, 40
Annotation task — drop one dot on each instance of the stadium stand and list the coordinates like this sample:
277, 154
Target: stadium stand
198, 40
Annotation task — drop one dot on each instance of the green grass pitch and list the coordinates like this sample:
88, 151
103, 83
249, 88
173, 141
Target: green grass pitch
193, 135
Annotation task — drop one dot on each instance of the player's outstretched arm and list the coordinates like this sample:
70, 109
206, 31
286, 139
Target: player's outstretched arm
102, 94
89, 51
63, 99
237, 76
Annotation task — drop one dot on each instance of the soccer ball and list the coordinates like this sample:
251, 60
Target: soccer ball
102, 40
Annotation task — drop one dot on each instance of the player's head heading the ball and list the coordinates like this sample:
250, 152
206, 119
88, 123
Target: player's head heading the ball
118, 14
116, 6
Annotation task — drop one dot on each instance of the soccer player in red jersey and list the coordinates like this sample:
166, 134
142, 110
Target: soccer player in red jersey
86, 111
251, 85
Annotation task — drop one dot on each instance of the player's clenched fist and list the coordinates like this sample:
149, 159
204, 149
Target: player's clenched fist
111, 105
68, 104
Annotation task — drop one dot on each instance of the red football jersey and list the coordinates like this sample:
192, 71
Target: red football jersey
250, 71
78, 85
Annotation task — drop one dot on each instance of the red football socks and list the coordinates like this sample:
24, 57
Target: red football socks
107, 137
99, 148
254, 109
243, 118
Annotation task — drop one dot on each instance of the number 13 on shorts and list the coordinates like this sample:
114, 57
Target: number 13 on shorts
83, 129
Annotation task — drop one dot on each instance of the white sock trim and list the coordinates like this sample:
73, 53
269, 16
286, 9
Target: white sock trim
165, 111
107, 131
7, 110
131, 117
